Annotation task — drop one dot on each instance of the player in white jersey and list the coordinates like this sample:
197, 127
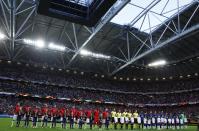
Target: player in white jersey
158, 121
122, 119
145, 121
162, 120
181, 118
177, 122
127, 119
139, 121
116, 120
119, 116
149, 122
166, 120
153, 120
185, 121
173, 121
169, 121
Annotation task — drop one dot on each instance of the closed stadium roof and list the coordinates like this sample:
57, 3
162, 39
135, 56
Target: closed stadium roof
168, 29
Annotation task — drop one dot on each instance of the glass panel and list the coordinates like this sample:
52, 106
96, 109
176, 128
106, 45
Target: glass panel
155, 17
81, 2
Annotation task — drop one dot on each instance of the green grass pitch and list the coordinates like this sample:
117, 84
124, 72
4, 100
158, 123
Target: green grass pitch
5, 126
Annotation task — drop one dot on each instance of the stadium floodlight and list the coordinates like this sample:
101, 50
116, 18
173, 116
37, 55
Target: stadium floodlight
38, 43
96, 55
56, 47
85, 52
2, 36
157, 63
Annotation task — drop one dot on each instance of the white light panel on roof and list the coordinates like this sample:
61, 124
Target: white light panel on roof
96, 55
157, 63
2, 36
38, 43
56, 47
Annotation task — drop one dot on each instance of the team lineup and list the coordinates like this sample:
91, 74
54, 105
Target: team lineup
96, 118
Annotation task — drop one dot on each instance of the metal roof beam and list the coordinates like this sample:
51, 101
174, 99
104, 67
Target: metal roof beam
194, 28
141, 14
104, 20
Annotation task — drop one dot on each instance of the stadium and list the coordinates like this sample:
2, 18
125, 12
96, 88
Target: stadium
99, 65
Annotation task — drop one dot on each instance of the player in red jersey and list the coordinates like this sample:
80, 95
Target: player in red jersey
105, 116
74, 111
80, 118
88, 116
96, 116
35, 114
44, 119
72, 116
19, 112
67, 113
27, 113
16, 117
77, 116
63, 115
54, 112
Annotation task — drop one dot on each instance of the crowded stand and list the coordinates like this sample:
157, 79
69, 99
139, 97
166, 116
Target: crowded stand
86, 94
24, 93
70, 79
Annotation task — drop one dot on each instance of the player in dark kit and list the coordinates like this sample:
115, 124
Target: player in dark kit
54, 112
100, 121
154, 120
142, 119
27, 113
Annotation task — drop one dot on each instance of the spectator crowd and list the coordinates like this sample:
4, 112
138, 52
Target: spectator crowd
58, 84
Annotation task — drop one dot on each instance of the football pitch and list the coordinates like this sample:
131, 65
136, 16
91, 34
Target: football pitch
5, 126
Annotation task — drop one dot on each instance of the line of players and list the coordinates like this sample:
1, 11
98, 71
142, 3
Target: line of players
64, 115
96, 117
150, 120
